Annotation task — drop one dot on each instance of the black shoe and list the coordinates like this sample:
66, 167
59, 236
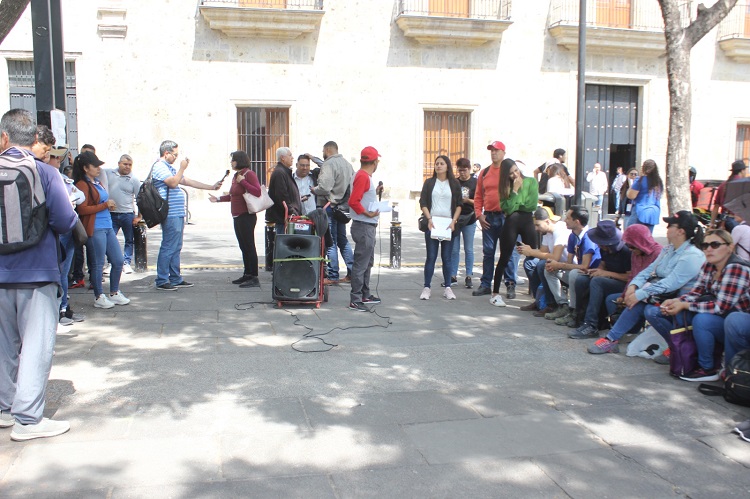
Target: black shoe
454, 280
185, 284
481, 290
75, 317
252, 282
166, 287
244, 278
467, 282
511, 292
372, 299
358, 306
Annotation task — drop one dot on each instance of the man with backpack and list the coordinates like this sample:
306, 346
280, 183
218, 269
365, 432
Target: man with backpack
29, 278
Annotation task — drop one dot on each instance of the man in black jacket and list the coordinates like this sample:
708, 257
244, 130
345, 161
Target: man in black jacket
283, 189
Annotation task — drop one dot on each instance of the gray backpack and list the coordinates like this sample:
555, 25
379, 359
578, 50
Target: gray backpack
23, 206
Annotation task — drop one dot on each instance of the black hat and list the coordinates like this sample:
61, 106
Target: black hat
738, 166
89, 158
606, 233
685, 221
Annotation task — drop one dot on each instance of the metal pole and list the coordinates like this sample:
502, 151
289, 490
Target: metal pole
140, 242
270, 243
49, 61
581, 113
395, 245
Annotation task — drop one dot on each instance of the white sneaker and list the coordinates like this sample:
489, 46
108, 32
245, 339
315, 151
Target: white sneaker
520, 281
119, 299
425, 294
103, 302
127, 269
497, 300
44, 428
449, 294
106, 269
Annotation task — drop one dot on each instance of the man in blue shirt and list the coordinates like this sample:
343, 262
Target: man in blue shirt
168, 179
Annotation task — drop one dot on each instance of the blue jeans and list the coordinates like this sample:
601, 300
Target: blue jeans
429, 263
490, 237
340, 243
467, 232
104, 242
633, 219
600, 288
124, 221
631, 320
69, 247
616, 194
168, 262
736, 334
530, 268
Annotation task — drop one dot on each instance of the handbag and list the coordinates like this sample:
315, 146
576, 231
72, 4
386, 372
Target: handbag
79, 234
464, 220
424, 224
257, 204
683, 353
661, 297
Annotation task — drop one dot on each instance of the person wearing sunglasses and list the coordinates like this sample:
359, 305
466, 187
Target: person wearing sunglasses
673, 272
723, 286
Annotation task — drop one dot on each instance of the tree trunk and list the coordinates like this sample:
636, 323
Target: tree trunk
10, 12
680, 42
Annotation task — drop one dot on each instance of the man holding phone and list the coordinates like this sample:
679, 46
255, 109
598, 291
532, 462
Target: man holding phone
167, 180
305, 183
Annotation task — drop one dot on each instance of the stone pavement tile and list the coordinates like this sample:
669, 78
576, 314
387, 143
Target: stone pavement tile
326, 449
220, 329
52, 465
307, 486
730, 445
389, 338
604, 473
237, 343
652, 421
490, 478
697, 469
9, 452
102, 493
374, 409
133, 316
188, 299
237, 417
536, 434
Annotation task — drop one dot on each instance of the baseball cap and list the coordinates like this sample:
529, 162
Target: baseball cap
684, 220
545, 213
496, 145
89, 158
738, 166
59, 151
369, 153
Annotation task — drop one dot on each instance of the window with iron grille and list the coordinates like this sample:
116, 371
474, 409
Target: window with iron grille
23, 94
445, 133
743, 143
260, 131
613, 13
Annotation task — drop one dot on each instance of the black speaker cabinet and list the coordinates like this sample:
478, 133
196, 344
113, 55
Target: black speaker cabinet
297, 268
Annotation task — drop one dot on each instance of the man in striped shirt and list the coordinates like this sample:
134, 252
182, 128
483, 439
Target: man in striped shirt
168, 179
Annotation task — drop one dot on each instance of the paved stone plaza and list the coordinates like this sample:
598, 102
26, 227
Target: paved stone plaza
193, 394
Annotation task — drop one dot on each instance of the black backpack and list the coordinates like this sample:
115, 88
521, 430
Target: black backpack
23, 204
737, 382
153, 208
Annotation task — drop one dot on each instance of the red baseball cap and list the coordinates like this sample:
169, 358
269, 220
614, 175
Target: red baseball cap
496, 145
369, 153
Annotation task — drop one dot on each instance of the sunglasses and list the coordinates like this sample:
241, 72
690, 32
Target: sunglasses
713, 245
632, 174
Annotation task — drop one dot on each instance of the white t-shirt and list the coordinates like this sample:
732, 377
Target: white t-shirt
557, 186
441, 199
558, 237
741, 237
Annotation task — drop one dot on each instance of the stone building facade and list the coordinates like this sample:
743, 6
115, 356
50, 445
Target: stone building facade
414, 78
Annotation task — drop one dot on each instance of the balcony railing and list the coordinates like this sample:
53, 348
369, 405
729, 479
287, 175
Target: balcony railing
469, 9
280, 19
454, 22
734, 32
624, 27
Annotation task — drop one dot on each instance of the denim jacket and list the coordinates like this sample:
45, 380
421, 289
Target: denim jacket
676, 268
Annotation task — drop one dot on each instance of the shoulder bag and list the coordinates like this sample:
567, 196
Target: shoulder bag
256, 204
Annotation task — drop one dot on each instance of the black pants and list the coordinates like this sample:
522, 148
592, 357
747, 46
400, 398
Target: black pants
244, 229
520, 222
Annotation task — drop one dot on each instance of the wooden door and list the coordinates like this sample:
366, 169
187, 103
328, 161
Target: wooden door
613, 13
449, 8
263, 4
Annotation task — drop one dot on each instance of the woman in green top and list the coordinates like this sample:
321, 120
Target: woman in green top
518, 200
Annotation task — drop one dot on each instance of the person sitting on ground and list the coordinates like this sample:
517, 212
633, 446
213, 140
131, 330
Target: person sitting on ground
554, 248
610, 277
741, 238
675, 269
736, 334
723, 286
518, 199
587, 256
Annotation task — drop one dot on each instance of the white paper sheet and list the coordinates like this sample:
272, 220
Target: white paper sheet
381, 206
441, 230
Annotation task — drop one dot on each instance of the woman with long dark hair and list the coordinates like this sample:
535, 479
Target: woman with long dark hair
646, 193
518, 200
625, 207
440, 197
102, 241
244, 180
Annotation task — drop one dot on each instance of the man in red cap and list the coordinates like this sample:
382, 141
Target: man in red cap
491, 219
364, 225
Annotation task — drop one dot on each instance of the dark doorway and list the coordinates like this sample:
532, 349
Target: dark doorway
619, 155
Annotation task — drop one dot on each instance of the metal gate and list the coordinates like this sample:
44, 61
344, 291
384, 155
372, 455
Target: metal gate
260, 131
23, 94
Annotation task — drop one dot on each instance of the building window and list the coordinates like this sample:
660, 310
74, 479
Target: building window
613, 13
23, 94
260, 131
743, 143
445, 132
263, 4
449, 8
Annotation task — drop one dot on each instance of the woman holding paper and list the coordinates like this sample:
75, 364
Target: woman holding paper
518, 200
440, 201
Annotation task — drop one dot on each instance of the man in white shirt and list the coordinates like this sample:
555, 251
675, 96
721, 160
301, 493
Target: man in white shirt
305, 183
598, 184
